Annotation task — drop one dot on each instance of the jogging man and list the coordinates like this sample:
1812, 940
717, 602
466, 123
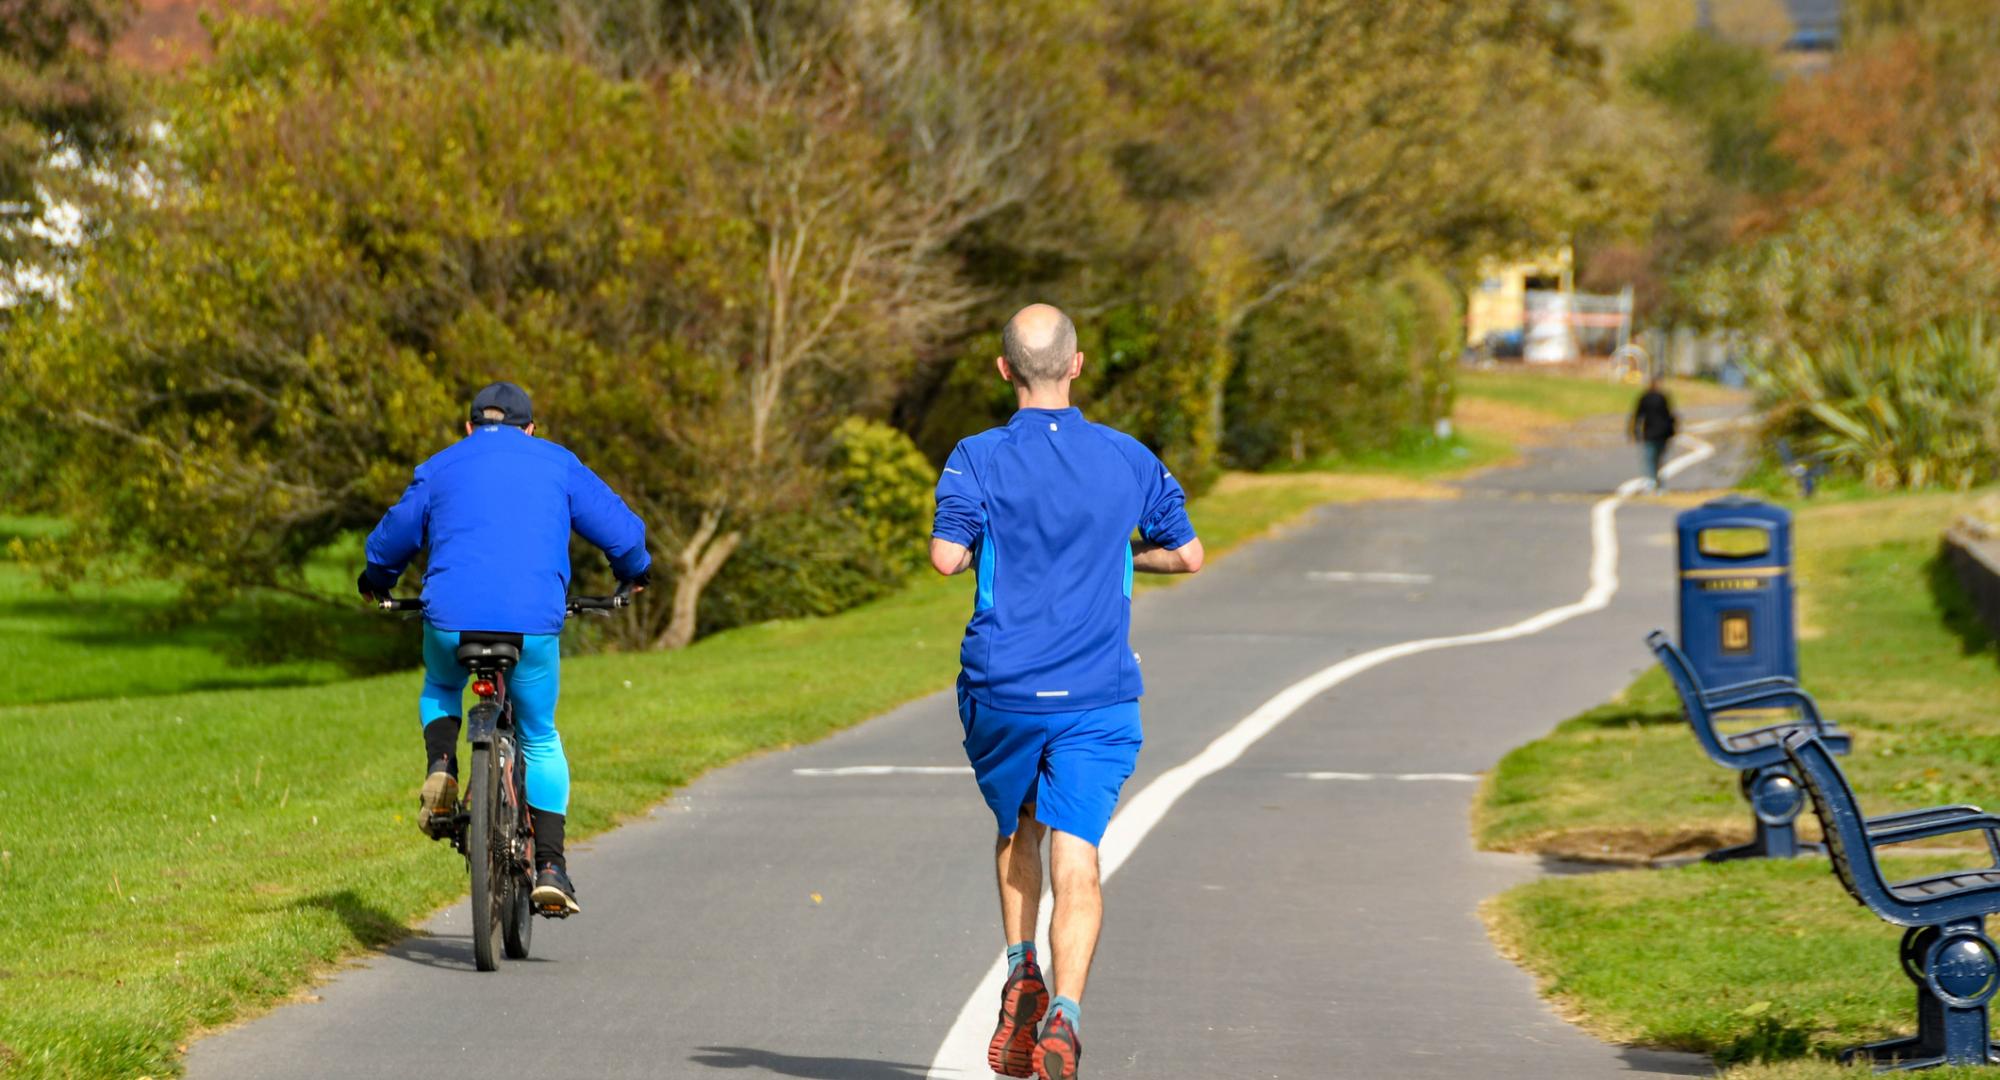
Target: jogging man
496, 510
1045, 508
1652, 426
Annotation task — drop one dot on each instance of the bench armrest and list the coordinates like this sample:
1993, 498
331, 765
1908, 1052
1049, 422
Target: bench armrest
1770, 682
1917, 817
1947, 826
1770, 695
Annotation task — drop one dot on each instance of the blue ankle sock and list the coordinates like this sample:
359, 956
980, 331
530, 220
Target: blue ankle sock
1063, 1006
1019, 952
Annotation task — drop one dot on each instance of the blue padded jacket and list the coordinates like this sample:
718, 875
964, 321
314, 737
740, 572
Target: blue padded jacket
496, 509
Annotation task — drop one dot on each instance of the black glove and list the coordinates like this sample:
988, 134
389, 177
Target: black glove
376, 582
638, 581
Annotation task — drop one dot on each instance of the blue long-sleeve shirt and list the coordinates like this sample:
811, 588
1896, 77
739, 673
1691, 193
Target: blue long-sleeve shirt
1048, 503
496, 509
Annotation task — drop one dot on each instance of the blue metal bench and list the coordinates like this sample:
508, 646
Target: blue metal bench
1758, 756
1806, 470
1945, 950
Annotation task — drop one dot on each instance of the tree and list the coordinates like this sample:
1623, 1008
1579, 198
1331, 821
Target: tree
1728, 91
61, 103
253, 364
696, 288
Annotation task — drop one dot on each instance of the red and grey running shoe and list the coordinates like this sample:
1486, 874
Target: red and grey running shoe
1022, 1003
1057, 1052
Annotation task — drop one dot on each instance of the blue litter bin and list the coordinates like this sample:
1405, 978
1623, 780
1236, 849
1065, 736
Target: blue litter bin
1736, 626
1736, 611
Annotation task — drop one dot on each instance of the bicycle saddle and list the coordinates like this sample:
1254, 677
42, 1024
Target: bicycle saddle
489, 648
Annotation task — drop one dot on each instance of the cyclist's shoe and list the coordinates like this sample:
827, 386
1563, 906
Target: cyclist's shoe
554, 896
437, 804
1022, 1003
1057, 1052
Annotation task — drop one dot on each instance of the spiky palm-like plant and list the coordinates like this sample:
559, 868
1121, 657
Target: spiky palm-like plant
1920, 411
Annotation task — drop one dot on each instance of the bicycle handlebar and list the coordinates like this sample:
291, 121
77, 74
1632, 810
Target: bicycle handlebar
600, 605
577, 605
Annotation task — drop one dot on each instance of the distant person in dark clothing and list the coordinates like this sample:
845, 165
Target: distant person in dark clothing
1653, 426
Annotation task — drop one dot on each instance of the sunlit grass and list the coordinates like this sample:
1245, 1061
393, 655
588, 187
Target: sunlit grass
1573, 397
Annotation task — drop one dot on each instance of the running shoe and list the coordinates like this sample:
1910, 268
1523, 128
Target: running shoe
1056, 1054
437, 804
554, 896
1022, 1003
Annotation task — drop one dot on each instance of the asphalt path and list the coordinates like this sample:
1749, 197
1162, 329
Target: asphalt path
1306, 910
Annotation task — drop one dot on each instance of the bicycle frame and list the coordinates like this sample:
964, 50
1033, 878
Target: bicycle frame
490, 725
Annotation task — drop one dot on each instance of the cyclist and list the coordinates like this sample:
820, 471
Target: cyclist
496, 510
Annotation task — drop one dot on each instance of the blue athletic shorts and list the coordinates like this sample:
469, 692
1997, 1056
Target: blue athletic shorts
1068, 766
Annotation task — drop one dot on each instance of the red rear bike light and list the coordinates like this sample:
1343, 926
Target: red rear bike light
483, 688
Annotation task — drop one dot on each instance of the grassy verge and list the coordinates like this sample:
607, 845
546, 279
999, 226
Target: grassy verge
169, 862
132, 638
1766, 966
1571, 397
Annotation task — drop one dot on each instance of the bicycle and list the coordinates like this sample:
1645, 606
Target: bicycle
492, 827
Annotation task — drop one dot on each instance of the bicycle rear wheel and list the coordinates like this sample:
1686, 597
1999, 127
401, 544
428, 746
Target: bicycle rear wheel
519, 925
485, 849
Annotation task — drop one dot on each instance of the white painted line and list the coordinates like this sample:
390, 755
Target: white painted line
1373, 577
889, 770
1453, 777
964, 1045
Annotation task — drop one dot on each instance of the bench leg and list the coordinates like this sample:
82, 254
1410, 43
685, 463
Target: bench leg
1950, 1030
1926, 1046
1775, 799
1772, 842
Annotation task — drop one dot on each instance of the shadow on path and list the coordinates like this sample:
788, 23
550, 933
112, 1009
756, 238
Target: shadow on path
808, 1068
367, 924
1657, 1061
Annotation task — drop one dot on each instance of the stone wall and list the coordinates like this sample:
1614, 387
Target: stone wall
1973, 549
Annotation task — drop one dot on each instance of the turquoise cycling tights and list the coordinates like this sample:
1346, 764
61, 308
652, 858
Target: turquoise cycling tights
532, 684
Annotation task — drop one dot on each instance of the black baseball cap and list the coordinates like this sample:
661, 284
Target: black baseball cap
511, 400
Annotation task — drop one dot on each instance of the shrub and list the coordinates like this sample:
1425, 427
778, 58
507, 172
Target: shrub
1341, 368
883, 484
1919, 411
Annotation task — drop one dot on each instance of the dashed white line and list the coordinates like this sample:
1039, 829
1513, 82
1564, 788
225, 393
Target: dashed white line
1452, 777
1371, 577
961, 1051
888, 770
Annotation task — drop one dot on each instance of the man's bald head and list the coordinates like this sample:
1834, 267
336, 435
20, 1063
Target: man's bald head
1039, 344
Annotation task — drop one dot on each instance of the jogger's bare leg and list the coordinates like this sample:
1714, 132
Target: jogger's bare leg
1018, 860
1079, 912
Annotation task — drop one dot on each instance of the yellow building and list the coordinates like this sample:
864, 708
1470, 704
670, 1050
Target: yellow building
1498, 306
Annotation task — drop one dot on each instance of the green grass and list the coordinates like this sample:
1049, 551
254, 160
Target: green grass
133, 638
1770, 967
1419, 456
169, 862
1749, 960
1578, 398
